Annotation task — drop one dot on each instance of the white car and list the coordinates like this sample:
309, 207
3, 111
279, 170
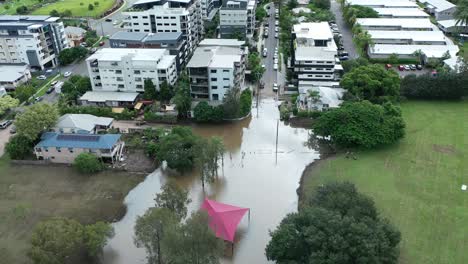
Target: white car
263, 66
115, 22
67, 74
275, 67
41, 77
276, 35
276, 61
265, 52
275, 56
276, 29
276, 23
275, 87
49, 71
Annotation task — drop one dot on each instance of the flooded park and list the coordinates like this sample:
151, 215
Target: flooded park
263, 163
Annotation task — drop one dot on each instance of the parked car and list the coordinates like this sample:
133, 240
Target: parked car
53, 83
49, 71
4, 124
276, 23
276, 35
108, 20
265, 52
50, 90
343, 53
276, 29
340, 47
275, 87
115, 22
83, 44
41, 77
401, 67
101, 43
263, 66
343, 58
13, 129
275, 66
407, 68
67, 74
419, 67
388, 66
412, 67
275, 60
38, 99
93, 50
265, 34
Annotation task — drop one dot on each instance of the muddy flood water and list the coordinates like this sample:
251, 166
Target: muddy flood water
251, 178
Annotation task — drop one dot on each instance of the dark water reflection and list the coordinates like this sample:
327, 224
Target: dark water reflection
250, 178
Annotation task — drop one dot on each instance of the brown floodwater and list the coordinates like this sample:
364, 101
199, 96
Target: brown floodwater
251, 178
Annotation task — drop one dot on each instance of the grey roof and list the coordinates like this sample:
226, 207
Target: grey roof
146, 37
215, 56
83, 122
109, 96
75, 30
28, 18
124, 35
163, 36
11, 73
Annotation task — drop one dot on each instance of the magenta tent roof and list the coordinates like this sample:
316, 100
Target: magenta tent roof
224, 218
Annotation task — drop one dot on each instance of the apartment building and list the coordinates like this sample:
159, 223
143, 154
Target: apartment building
13, 75
125, 70
396, 24
401, 13
216, 67
237, 17
209, 9
408, 37
33, 40
314, 56
164, 16
172, 41
440, 9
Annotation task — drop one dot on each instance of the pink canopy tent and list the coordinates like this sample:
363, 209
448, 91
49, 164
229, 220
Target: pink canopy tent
224, 218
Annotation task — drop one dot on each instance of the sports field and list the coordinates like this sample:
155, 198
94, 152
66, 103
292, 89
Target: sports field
416, 183
79, 8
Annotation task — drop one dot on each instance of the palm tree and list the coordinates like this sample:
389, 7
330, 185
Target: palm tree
314, 96
363, 40
419, 54
461, 14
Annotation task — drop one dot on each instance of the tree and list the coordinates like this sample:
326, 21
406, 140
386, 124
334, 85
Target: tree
6, 103
96, 236
54, 13
174, 198
208, 153
461, 13
96, 3
348, 65
150, 230
165, 92
22, 10
245, 103
193, 243
314, 96
393, 58
445, 86
90, 7
177, 148
66, 13
323, 4
204, 112
373, 83
182, 98
75, 87
19, 147
260, 13
150, 90
363, 40
254, 64
231, 103
57, 241
361, 124
87, 163
69, 55
36, 119
292, 4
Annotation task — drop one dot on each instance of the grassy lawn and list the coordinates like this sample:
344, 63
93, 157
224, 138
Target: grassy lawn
465, 50
77, 7
416, 183
29, 194
13, 4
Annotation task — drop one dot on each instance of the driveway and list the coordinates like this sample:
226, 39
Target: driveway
4, 137
345, 30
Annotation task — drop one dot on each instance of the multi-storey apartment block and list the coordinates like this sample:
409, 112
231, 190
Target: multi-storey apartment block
237, 17
33, 40
125, 70
158, 16
216, 67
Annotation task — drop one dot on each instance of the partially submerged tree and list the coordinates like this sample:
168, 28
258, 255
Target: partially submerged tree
87, 163
174, 198
209, 154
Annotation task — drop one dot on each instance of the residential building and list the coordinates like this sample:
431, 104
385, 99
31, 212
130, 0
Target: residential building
396, 24
82, 124
328, 98
75, 35
451, 26
172, 41
3, 92
64, 148
401, 13
13, 75
163, 16
408, 37
382, 51
454, 63
440, 9
111, 99
384, 3
209, 9
314, 56
125, 70
217, 66
237, 17
33, 40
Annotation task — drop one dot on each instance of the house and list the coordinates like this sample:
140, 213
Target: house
401, 13
13, 75
384, 3
111, 99
382, 51
237, 17
64, 148
125, 70
75, 35
408, 37
440, 9
217, 66
396, 24
452, 27
82, 124
327, 98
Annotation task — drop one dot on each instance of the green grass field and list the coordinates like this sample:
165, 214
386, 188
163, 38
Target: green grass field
76, 8
12, 5
416, 183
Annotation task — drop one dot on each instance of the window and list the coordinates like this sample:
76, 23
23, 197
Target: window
214, 79
162, 71
138, 79
117, 71
58, 149
225, 79
146, 24
71, 150
144, 17
136, 71
136, 24
214, 87
139, 86
46, 149
38, 150
213, 71
225, 70
134, 17
215, 97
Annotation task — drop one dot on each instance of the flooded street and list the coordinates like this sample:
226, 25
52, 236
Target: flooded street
251, 178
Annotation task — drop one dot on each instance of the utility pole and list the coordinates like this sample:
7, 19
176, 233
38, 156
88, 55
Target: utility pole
276, 156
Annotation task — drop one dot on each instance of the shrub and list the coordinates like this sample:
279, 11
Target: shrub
444, 86
22, 10
98, 111
88, 163
204, 112
309, 114
245, 102
162, 118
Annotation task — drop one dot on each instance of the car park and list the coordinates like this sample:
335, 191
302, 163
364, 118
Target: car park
4, 124
41, 77
67, 74
401, 67
419, 67
407, 68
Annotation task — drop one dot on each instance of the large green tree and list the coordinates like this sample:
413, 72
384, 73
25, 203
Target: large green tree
461, 14
177, 148
373, 83
75, 87
361, 124
209, 153
6, 103
174, 198
87, 163
182, 98
36, 119
19, 147
69, 55
166, 92
24, 92
150, 90
204, 112
254, 64
96, 236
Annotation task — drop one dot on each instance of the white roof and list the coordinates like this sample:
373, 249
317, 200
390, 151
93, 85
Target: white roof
439, 5
314, 53
215, 57
416, 36
11, 73
401, 12
221, 42
303, 83
397, 22
454, 62
108, 54
431, 51
450, 23
109, 96
383, 3
82, 121
320, 30
298, 10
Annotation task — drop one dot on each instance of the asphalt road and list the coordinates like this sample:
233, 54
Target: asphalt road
345, 30
270, 75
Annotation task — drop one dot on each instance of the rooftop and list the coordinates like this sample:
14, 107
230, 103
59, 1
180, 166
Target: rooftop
75, 30
11, 73
82, 122
395, 22
27, 18
320, 30
439, 5
221, 42
87, 141
109, 54
431, 51
215, 57
401, 12
314, 53
146, 37
383, 3
450, 23
109, 96
124, 35
410, 35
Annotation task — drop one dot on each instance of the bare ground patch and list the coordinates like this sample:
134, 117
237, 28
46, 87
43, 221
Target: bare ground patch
446, 149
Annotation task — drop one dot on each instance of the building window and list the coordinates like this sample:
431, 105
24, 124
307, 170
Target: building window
215, 97
71, 150
225, 70
214, 87
38, 150
58, 149
214, 79
213, 71
136, 71
46, 149
117, 71
225, 79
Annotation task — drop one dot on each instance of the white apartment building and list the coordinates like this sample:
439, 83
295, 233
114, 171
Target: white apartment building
125, 70
396, 24
314, 56
33, 40
408, 37
216, 67
401, 13
157, 16
384, 3
208, 9
440, 9
237, 17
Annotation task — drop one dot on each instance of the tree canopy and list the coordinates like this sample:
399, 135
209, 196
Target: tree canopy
24, 92
361, 124
19, 147
6, 103
69, 55
446, 85
254, 64
75, 87
150, 90
204, 112
372, 83
461, 13
174, 198
182, 97
177, 148
36, 119
87, 163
